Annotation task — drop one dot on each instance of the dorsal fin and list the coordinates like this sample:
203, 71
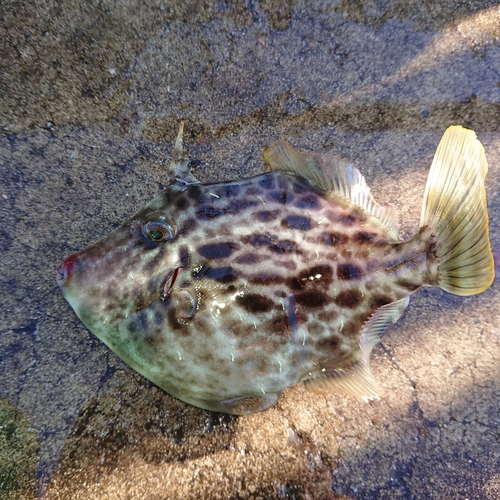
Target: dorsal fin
358, 380
331, 174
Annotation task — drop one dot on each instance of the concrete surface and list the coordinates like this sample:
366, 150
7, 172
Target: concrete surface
91, 97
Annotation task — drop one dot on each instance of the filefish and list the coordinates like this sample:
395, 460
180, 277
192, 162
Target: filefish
226, 294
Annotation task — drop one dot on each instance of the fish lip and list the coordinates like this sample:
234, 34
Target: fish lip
65, 270
61, 275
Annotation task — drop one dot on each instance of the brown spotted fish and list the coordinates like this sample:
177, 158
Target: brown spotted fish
225, 294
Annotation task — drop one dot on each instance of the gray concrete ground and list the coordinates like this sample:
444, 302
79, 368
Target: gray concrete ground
91, 98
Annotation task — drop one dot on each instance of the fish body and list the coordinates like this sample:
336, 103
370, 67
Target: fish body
225, 294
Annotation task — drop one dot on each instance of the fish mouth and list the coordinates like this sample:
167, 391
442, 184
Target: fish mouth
66, 270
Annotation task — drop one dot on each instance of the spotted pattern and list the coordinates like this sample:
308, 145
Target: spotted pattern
267, 280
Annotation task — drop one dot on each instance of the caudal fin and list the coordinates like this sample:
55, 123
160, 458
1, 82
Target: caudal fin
455, 210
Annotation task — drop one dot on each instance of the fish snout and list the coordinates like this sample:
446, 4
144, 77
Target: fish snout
67, 269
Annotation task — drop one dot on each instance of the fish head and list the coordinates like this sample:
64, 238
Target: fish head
130, 270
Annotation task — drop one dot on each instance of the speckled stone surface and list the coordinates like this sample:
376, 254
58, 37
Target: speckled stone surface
90, 100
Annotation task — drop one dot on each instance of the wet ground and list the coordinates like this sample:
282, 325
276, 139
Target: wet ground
91, 98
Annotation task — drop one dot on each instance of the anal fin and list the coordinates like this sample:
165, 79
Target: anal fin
358, 380
375, 326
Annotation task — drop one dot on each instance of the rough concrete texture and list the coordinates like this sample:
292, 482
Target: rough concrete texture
91, 98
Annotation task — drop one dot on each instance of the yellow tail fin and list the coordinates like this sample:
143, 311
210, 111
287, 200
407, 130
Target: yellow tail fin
455, 209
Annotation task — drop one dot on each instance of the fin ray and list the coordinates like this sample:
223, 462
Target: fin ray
380, 321
331, 174
455, 210
358, 379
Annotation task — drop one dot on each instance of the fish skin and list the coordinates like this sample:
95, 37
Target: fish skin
257, 285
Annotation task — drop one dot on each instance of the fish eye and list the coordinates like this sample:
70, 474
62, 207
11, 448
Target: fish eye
159, 227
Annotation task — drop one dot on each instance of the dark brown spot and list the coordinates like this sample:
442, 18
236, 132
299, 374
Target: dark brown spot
206, 356
281, 196
308, 200
280, 246
210, 212
159, 316
348, 298
328, 344
249, 258
313, 298
194, 192
217, 250
347, 219
230, 190
333, 238
284, 246
297, 222
138, 322
266, 182
280, 325
379, 301
352, 328
263, 279
255, 303
174, 322
188, 225
241, 203
348, 272
221, 274
184, 257
316, 328
364, 237
182, 203
256, 240
317, 276
328, 316
156, 338
241, 329
408, 284
266, 215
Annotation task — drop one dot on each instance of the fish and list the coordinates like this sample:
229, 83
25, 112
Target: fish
225, 294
